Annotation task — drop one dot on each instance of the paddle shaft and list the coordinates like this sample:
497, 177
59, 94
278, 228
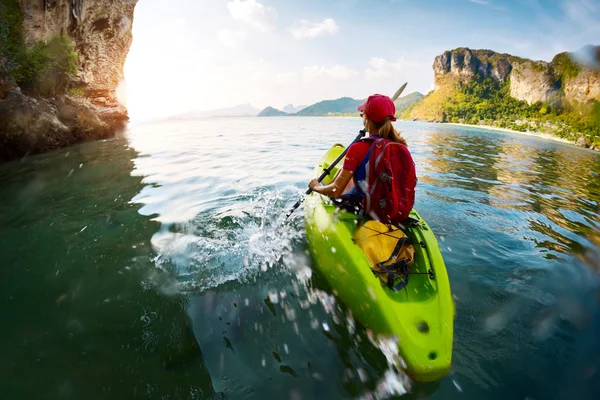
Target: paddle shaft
327, 170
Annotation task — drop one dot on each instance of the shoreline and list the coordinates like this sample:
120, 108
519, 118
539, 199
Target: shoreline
541, 135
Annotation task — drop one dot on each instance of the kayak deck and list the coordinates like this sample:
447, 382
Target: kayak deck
420, 315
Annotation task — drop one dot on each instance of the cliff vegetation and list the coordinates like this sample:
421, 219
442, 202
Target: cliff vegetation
45, 69
482, 87
60, 64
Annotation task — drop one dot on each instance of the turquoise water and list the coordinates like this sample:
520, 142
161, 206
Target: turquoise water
156, 266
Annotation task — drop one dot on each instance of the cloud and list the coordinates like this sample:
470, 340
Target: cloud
337, 72
483, 2
380, 68
584, 14
286, 77
231, 39
311, 30
254, 13
385, 76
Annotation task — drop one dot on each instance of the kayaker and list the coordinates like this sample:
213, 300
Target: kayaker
377, 114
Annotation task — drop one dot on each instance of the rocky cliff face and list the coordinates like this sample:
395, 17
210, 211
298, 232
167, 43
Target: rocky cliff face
101, 32
466, 64
582, 87
531, 81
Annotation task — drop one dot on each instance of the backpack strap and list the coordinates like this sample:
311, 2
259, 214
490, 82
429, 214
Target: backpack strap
393, 271
397, 269
367, 193
396, 250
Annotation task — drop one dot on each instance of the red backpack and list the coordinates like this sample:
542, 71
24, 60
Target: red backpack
392, 178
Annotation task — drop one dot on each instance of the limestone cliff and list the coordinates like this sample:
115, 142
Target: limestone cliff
531, 81
485, 87
101, 33
582, 87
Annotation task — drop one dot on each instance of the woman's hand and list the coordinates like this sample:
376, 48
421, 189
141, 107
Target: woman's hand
314, 184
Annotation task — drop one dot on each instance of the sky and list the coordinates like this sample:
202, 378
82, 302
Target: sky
196, 55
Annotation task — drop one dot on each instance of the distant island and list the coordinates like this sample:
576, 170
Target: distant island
341, 106
271, 112
482, 87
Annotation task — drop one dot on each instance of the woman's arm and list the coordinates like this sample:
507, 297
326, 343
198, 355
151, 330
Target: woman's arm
335, 188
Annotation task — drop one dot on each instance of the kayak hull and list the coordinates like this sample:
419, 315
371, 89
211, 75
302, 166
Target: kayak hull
421, 316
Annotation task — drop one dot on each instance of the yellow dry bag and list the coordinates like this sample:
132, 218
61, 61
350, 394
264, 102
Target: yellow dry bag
389, 250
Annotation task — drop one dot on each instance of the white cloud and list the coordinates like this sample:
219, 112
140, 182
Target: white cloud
308, 29
380, 68
385, 76
286, 77
338, 72
254, 13
584, 14
231, 39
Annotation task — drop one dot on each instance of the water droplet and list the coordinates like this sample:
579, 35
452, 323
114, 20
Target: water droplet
457, 386
290, 313
273, 297
317, 376
362, 375
372, 293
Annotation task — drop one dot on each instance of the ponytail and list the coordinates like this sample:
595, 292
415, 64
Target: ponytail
386, 130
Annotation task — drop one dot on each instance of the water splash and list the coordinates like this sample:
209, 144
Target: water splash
231, 243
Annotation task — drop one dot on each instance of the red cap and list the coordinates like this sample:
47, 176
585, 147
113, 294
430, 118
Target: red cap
379, 107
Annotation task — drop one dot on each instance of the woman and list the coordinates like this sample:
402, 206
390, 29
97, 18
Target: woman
377, 114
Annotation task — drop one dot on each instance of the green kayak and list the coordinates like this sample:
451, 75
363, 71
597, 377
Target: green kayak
420, 315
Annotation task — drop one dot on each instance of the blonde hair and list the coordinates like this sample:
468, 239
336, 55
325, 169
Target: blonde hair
385, 130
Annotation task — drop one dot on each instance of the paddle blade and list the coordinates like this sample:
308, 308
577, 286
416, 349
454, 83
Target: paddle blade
399, 92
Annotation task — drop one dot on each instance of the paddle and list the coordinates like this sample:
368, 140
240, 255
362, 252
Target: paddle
328, 170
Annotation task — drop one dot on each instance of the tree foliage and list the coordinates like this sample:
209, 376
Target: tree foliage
488, 102
11, 36
46, 68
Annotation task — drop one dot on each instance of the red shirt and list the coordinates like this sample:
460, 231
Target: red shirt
355, 155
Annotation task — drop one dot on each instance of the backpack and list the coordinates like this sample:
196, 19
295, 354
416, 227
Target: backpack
391, 177
390, 252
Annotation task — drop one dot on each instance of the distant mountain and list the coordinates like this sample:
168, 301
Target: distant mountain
241, 110
406, 101
272, 112
347, 105
291, 109
342, 105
